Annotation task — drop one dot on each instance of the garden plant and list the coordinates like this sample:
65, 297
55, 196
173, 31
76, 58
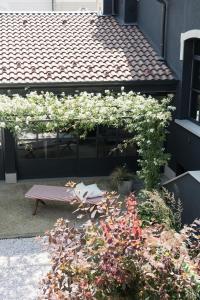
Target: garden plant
119, 256
145, 118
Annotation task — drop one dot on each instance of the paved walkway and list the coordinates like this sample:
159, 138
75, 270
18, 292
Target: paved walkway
23, 262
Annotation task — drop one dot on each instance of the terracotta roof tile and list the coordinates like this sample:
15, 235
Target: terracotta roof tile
64, 47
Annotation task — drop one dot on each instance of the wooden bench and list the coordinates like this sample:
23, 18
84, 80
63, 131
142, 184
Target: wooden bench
49, 193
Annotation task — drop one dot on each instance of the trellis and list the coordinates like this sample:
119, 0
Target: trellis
145, 117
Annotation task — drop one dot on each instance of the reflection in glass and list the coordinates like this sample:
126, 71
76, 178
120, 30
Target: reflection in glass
197, 75
99, 143
0, 139
47, 135
107, 141
27, 136
30, 149
87, 148
129, 151
197, 47
47, 146
195, 107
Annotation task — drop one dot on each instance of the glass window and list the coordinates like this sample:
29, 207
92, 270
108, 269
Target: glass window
195, 83
87, 148
0, 139
131, 150
196, 47
47, 145
99, 143
67, 145
27, 136
195, 106
196, 73
30, 149
107, 141
47, 135
1, 157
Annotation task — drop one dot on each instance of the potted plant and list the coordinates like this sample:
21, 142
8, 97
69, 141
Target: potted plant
122, 180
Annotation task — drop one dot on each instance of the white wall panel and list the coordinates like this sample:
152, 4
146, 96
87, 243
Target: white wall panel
26, 5
46, 5
74, 5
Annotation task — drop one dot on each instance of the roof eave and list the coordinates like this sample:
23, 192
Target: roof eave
153, 83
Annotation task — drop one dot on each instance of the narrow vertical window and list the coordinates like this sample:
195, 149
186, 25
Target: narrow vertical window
195, 83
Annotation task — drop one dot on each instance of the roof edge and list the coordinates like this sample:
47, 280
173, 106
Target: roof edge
154, 85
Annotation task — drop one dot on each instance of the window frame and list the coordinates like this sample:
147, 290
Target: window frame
193, 89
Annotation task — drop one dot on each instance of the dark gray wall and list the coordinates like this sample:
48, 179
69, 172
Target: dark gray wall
175, 21
150, 21
187, 189
107, 7
185, 148
126, 11
183, 15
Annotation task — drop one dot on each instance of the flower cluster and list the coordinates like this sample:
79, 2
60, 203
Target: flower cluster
145, 118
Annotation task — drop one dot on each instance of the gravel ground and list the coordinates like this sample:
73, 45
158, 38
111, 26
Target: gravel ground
23, 262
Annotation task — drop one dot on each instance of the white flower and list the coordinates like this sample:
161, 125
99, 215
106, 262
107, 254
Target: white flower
138, 114
2, 125
17, 119
28, 119
17, 128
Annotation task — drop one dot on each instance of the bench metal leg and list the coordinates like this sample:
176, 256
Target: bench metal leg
42, 202
36, 206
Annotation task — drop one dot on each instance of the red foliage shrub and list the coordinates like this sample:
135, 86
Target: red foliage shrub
112, 257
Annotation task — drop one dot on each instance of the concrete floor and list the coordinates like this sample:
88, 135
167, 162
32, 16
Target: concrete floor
23, 264
16, 219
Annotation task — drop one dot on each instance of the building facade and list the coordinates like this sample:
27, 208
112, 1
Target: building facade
175, 34
148, 46
173, 29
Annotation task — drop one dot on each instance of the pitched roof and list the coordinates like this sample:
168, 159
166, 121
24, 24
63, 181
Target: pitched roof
71, 47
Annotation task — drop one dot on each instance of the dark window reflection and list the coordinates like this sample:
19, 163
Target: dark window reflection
30, 149
196, 47
197, 75
195, 107
87, 148
99, 143
0, 139
47, 145
107, 141
67, 145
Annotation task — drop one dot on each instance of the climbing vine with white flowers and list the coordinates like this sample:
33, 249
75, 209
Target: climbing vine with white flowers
144, 117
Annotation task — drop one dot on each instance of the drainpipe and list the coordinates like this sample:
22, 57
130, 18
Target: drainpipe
164, 27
